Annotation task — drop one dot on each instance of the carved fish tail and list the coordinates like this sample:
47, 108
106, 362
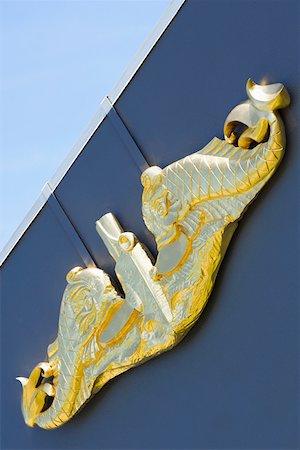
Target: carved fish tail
232, 167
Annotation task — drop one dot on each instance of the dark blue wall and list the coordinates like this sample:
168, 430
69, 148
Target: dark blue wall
232, 383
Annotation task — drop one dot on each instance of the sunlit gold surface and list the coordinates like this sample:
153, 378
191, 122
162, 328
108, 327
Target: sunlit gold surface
192, 208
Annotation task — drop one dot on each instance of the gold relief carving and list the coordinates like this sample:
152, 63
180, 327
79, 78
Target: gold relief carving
192, 208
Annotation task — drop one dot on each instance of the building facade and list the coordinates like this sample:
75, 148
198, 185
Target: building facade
232, 383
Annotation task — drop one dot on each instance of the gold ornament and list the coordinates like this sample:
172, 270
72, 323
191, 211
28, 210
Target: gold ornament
192, 208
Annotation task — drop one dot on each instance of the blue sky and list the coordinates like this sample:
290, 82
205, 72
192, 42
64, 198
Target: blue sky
58, 60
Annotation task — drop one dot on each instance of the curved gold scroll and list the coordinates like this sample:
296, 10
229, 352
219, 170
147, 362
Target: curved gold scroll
192, 208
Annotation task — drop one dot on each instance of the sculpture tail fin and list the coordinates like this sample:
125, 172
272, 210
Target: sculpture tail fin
268, 97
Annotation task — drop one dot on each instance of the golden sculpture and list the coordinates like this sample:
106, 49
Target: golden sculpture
192, 208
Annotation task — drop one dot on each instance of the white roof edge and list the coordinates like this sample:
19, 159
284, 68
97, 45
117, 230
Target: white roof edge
105, 105
144, 51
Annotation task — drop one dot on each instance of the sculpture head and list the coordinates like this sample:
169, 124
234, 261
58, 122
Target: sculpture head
161, 209
90, 292
163, 213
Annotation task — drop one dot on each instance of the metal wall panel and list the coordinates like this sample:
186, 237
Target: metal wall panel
232, 382
104, 178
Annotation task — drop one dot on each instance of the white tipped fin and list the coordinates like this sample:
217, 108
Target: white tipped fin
22, 380
267, 96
